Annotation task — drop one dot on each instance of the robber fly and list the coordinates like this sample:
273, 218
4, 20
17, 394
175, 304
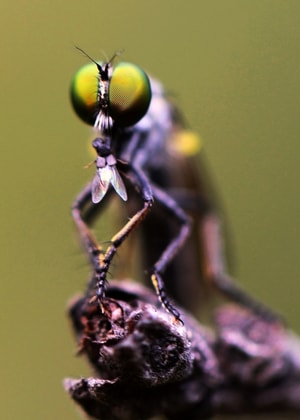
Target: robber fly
139, 137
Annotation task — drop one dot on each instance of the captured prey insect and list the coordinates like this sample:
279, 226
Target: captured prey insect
136, 130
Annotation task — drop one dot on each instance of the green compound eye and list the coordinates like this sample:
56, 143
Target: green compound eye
129, 94
83, 92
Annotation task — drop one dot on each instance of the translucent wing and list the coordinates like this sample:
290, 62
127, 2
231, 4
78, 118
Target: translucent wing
101, 183
103, 178
118, 183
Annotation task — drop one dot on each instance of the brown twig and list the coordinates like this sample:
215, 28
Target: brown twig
146, 364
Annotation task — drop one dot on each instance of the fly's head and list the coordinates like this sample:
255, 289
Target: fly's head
107, 96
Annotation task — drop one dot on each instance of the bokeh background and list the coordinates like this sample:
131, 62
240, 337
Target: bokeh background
235, 68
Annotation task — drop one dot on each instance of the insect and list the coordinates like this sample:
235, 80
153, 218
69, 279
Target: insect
141, 146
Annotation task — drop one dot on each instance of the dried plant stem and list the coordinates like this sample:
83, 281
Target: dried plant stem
145, 364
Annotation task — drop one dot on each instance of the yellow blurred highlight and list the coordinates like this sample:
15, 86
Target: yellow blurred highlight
186, 142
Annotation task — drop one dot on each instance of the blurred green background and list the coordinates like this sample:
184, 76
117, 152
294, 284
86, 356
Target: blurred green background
235, 68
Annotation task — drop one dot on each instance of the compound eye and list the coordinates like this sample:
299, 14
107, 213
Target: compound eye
129, 94
83, 92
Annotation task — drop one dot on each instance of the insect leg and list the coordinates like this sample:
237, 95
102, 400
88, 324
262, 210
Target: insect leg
215, 270
141, 183
172, 248
83, 212
88, 240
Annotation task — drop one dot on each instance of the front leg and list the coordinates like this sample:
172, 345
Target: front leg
80, 211
140, 182
174, 246
84, 212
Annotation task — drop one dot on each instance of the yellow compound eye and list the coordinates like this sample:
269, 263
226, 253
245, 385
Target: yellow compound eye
83, 93
129, 94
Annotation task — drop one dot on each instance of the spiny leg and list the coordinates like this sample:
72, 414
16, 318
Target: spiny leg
172, 249
140, 181
83, 211
115, 242
88, 240
211, 242
216, 274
